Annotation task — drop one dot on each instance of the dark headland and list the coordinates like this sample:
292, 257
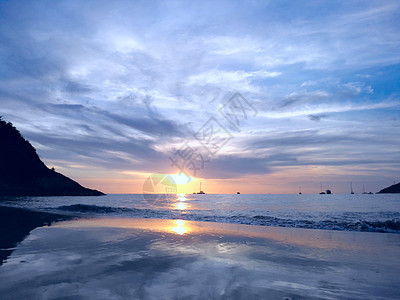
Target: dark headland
393, 189
22, 173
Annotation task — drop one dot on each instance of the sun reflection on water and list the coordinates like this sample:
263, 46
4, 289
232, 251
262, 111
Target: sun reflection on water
180, 205
181, 197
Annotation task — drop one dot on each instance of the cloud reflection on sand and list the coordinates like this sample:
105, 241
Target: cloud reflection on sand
166, 259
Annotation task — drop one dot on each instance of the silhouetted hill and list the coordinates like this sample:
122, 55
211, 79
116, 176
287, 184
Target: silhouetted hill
22, 173
395, 188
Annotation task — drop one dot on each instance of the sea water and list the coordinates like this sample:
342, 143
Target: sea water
357, 212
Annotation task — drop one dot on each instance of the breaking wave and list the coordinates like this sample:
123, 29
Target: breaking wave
334, 223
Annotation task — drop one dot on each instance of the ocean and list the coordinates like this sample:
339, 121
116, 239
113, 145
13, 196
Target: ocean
344, 212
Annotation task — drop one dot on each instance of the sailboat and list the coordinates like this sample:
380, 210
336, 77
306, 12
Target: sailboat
322, 192
327, 192
364, 192
351, 188
201, 192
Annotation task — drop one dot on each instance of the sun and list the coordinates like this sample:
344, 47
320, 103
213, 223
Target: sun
180, 178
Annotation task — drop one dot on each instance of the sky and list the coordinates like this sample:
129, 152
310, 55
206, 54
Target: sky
249, 96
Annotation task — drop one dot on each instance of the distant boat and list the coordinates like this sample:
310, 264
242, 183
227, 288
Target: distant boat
321, 193
351, 188
238, 193
201, 192
326, 192
299, 190
364, 192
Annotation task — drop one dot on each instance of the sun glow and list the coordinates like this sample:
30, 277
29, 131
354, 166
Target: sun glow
180, 178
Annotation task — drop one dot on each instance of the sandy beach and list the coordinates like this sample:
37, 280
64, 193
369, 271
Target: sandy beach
124, 258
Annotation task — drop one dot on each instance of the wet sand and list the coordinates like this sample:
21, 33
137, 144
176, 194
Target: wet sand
16, 223
174, 259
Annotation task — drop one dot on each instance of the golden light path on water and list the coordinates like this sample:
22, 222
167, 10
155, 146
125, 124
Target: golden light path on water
180, 224
180, 206
180, 202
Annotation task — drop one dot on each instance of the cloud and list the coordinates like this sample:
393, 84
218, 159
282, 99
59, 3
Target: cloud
324, 108
76, 87
226, 78
149, 125
317, 117
131, 79
232, 166
326, 147
356, 88
304, 97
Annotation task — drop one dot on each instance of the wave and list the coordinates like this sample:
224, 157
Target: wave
335, 223
83, 208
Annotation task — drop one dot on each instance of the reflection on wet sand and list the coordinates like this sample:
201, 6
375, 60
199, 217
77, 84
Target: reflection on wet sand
169, 259
16, 223
324, 239
180, 227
